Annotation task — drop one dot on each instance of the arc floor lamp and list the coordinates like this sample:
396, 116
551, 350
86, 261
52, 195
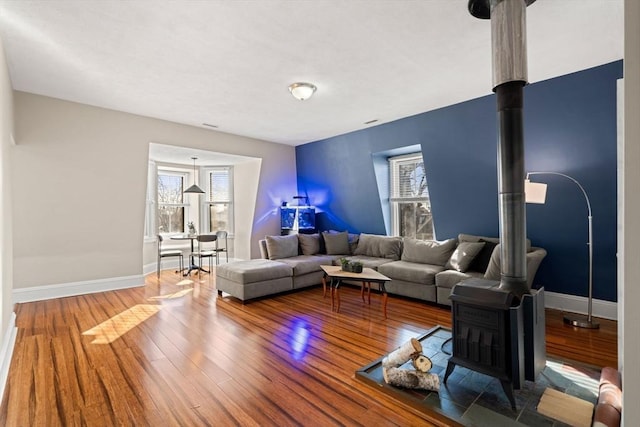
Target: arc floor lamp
535, 192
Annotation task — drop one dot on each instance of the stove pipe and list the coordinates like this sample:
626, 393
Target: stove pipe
508, 40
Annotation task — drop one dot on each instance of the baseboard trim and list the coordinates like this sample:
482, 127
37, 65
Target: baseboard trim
39, 293
6, 352
578, 304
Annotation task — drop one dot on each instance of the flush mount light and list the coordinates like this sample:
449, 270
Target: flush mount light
302, 91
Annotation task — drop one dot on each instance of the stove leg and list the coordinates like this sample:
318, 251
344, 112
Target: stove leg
507, 386
450, 366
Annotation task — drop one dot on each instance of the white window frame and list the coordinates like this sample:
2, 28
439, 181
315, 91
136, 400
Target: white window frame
206, 211
394, 198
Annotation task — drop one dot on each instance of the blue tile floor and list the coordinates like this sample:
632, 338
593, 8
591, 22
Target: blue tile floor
473, 399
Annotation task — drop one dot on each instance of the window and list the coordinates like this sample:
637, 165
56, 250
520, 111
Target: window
219, 201
409, 198
171, 206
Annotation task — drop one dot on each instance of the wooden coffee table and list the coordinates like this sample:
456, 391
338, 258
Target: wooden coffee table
336, 275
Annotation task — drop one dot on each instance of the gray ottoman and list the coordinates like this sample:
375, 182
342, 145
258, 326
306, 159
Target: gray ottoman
254, 278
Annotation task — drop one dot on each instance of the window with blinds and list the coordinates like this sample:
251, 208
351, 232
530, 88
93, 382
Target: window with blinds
409, 198
219, 203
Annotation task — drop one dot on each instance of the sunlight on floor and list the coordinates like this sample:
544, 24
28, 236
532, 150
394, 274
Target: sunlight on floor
174, 295
573, 374
112, 329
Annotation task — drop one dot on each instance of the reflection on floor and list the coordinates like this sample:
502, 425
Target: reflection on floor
474, 399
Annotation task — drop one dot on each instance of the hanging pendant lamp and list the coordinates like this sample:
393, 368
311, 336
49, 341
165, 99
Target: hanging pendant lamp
194, 188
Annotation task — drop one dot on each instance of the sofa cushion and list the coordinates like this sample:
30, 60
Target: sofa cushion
336, 243
411, 271
463, 255
282, 246
309, 243
449, 278
304, 264
428, 251
253, 270
481, 261
367, 261
379, 246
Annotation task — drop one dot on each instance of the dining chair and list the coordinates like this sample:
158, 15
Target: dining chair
168, 253
221, 235
204, 251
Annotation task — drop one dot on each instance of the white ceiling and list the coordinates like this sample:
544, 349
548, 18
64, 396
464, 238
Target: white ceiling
229, 63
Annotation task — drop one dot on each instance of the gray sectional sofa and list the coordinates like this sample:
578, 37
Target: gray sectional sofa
421, 269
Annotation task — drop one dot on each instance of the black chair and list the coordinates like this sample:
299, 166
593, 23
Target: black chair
170, 253
221, 235
204, 252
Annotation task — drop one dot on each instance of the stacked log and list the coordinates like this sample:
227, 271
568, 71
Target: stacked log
417, 378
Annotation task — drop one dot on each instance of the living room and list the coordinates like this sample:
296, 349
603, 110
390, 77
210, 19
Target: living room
90, 154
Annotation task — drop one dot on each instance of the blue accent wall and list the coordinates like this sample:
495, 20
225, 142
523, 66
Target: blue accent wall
570, 127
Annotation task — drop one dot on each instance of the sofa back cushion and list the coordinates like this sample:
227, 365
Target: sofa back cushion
428, 251
464, 254
379, 246
336, 243
282, 246
309, 243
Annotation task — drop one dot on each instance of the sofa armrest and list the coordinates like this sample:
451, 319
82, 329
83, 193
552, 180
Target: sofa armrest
533, 257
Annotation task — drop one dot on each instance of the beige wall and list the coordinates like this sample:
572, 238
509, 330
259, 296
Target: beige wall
79, 185
6, 239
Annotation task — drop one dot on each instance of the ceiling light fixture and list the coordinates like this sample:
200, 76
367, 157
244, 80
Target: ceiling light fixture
194, 188
302, 91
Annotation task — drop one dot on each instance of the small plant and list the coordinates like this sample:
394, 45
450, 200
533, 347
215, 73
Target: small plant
355, 266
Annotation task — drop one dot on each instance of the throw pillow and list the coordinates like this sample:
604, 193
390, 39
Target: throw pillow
428, 251
463, 255
481, 261
336, 243
377, 246
309, 243
494, 270
282, 246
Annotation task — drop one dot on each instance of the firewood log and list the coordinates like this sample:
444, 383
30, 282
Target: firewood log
408, 378
422, 363
402, 354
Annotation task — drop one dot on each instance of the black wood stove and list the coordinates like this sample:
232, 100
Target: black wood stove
497, 334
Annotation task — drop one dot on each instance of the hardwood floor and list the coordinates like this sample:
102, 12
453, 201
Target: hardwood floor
174, 353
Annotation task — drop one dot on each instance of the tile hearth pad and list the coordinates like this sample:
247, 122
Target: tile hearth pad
473, 399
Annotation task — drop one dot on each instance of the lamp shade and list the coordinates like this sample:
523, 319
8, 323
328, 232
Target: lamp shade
302, 91
535, 192
194, 188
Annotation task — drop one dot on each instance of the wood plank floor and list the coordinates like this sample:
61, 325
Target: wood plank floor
174, 353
